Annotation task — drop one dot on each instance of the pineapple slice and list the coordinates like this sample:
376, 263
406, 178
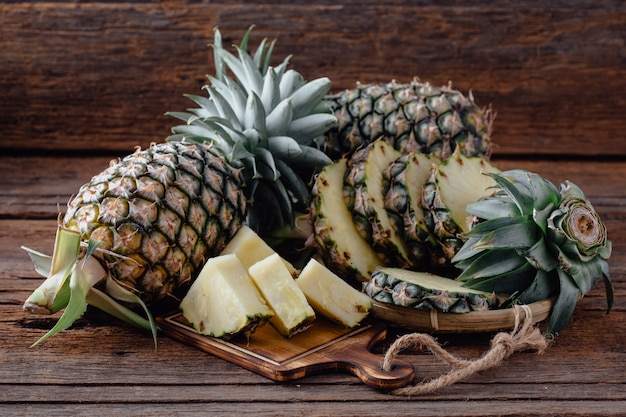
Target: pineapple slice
292, 311
338, 241
251, 248
223, 300
363, 191
425, 291
331, 296
403, 180
451, 186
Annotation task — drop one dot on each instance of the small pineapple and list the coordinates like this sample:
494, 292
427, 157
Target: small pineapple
244, 155
426, 291
223, 301
413, 117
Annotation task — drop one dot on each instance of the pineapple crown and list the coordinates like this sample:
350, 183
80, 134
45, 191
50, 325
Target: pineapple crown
534, 240
266, 118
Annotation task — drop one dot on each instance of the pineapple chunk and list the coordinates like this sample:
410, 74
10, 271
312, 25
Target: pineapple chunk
331, 296
251, 248
223, 301
276, 284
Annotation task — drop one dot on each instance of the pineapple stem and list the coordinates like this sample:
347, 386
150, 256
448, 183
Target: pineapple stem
50, 296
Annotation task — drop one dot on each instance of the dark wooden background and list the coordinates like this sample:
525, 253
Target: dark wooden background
97, 77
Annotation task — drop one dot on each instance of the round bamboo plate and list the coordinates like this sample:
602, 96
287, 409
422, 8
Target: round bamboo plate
474, 322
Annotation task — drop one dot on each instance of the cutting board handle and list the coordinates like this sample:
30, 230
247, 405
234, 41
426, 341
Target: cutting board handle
356, 357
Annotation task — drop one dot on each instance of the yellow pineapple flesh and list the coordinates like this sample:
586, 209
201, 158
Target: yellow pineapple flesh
293, 313
223, 301
331, 296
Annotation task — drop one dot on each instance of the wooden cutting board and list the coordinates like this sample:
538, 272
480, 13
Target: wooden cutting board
324, 347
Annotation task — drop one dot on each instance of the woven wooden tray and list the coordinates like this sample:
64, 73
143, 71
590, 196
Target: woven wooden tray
438, 322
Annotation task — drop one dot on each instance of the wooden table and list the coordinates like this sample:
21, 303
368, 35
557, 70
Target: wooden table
83, 83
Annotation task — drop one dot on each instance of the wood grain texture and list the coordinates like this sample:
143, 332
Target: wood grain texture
100, 75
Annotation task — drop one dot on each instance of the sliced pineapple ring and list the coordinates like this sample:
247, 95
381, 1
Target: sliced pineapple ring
403, 180
363, 190
331, 296
338, 241
292, 311
223, 301
451, 186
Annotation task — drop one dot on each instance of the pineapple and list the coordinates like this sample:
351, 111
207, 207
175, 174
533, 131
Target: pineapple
450, 187
335, 237
223, 301
332, 297
363, 192
152, 219
293, 313
413, 117
533, 240
402, 186
426, 291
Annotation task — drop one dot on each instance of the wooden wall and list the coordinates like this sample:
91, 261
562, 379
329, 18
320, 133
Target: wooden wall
97, 77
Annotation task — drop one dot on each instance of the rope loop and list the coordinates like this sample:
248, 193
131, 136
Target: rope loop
524, 336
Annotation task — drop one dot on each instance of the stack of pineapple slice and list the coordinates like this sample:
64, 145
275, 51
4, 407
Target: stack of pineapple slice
384, 208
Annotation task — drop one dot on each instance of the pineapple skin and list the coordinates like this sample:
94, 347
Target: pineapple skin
160, 213
402, 187
414, 117
425, 291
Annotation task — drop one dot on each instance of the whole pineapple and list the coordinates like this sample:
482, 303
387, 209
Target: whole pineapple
149, 222
413, 117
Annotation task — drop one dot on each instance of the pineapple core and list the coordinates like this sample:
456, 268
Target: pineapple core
331, 296
223, 301
276, 284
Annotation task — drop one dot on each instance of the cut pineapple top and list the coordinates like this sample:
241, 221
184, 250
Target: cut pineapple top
331, 296
223, 301
274, 281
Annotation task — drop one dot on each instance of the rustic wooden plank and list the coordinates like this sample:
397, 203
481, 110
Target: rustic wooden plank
277, 392
76, 72
415, 408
